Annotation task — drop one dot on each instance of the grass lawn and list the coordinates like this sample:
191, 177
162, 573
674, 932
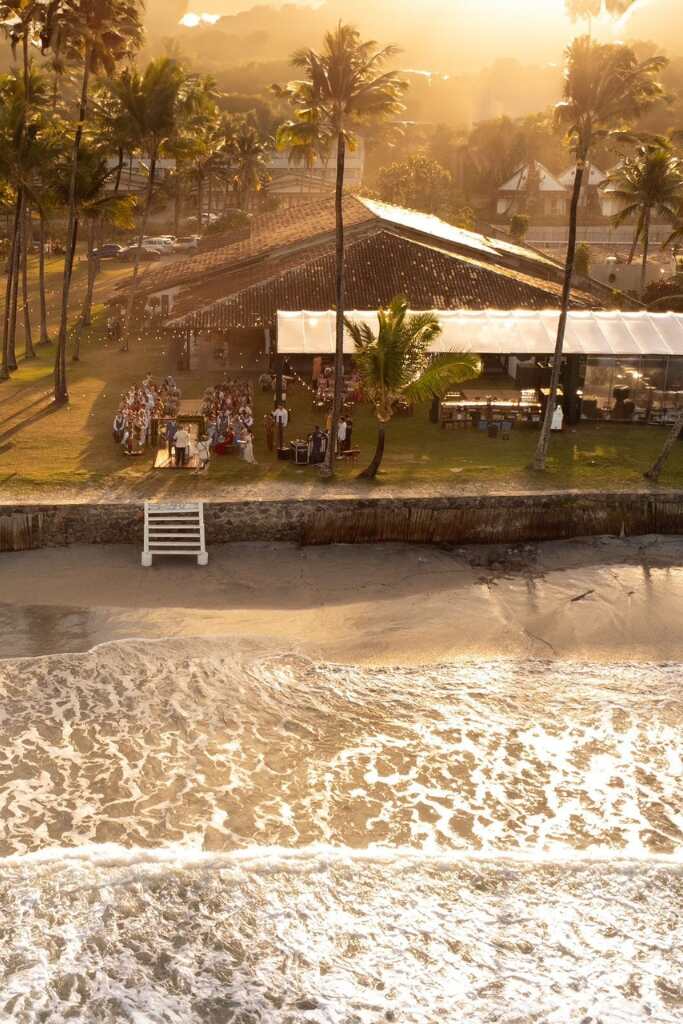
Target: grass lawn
68, 453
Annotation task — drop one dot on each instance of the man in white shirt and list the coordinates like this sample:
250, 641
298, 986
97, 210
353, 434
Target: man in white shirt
281, 417
341, 436
182, 443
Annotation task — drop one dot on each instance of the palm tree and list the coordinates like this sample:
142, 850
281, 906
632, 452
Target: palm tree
247, 154
586, 10
396, 364
150, 103
606, 88
649, 182
343, 88
99, 35
22, 130
97, 204
21, 21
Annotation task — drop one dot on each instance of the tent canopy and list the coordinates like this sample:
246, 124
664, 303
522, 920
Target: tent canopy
505, 332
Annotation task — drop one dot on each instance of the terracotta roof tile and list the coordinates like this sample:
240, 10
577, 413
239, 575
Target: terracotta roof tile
378, 267
269, 232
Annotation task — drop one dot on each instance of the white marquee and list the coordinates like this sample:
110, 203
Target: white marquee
506, 332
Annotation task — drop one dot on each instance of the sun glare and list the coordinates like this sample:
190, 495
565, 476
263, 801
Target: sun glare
192, 20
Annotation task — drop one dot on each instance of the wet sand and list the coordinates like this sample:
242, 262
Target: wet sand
593, 599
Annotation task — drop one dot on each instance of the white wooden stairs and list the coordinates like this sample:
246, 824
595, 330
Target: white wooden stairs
174, 530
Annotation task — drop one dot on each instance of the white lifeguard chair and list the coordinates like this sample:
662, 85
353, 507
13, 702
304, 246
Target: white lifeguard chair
174, 530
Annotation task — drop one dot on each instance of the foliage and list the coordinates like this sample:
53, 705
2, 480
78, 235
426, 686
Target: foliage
649, 181
582, 262
395, 363
606, 88
232, 220
418, 183
343, 90
519, 226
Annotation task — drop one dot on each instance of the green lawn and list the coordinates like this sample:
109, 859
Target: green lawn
69, 452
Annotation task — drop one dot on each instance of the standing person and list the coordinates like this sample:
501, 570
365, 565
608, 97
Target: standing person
203, 453
248, 447
349, 431
315, 446
171, 431
269, 424
119, 426
341, 435
182, 443
281, 417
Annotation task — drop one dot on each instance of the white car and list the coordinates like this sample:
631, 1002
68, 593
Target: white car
188, 243
163, 243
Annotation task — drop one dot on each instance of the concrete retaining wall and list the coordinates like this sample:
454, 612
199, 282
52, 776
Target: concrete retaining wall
458, 520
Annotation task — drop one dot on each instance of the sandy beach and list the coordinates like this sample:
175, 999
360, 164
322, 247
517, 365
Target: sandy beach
594, 599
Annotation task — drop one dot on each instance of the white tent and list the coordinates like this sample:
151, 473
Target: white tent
506, 332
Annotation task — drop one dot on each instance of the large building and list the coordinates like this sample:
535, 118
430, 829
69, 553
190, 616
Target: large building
286, 262
221, 306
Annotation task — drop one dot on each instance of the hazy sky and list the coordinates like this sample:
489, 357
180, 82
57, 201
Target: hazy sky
466, 33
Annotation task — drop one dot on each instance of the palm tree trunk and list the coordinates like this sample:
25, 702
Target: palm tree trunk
657, 466
93, 266
14, 299
11, 263
209, 195
200, 201
176, 203
44, 336
61, 389
636, 239
544, 439
29, 352
327, 469
646, 249
371, 472
136, 268
119, 171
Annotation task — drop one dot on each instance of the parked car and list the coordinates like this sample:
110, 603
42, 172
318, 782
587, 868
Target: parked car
187, 243
108, 251
162, 242
146, 253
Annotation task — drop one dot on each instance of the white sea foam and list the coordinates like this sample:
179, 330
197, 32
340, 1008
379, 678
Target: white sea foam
200, 833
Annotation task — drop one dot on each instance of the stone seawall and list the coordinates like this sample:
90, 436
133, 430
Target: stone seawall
488, 519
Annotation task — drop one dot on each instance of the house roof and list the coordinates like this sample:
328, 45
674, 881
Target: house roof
547, 182
378, 267
594, 178
312, 223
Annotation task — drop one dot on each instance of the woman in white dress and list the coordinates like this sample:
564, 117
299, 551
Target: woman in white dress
248, 447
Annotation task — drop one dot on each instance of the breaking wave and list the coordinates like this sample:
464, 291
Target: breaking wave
199, 831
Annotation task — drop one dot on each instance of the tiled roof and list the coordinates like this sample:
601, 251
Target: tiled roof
269, 232
378, 267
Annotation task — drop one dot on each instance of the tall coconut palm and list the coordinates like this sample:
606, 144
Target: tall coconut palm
396, 364
343, 88
650, 182
150, 102
21, 21
96, 35
22, 127
586, 10
247, 154
97, 203
606, 88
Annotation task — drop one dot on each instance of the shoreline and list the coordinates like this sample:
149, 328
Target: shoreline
458, 520
595, 599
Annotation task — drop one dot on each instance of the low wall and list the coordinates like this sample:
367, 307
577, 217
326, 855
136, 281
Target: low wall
489, 519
